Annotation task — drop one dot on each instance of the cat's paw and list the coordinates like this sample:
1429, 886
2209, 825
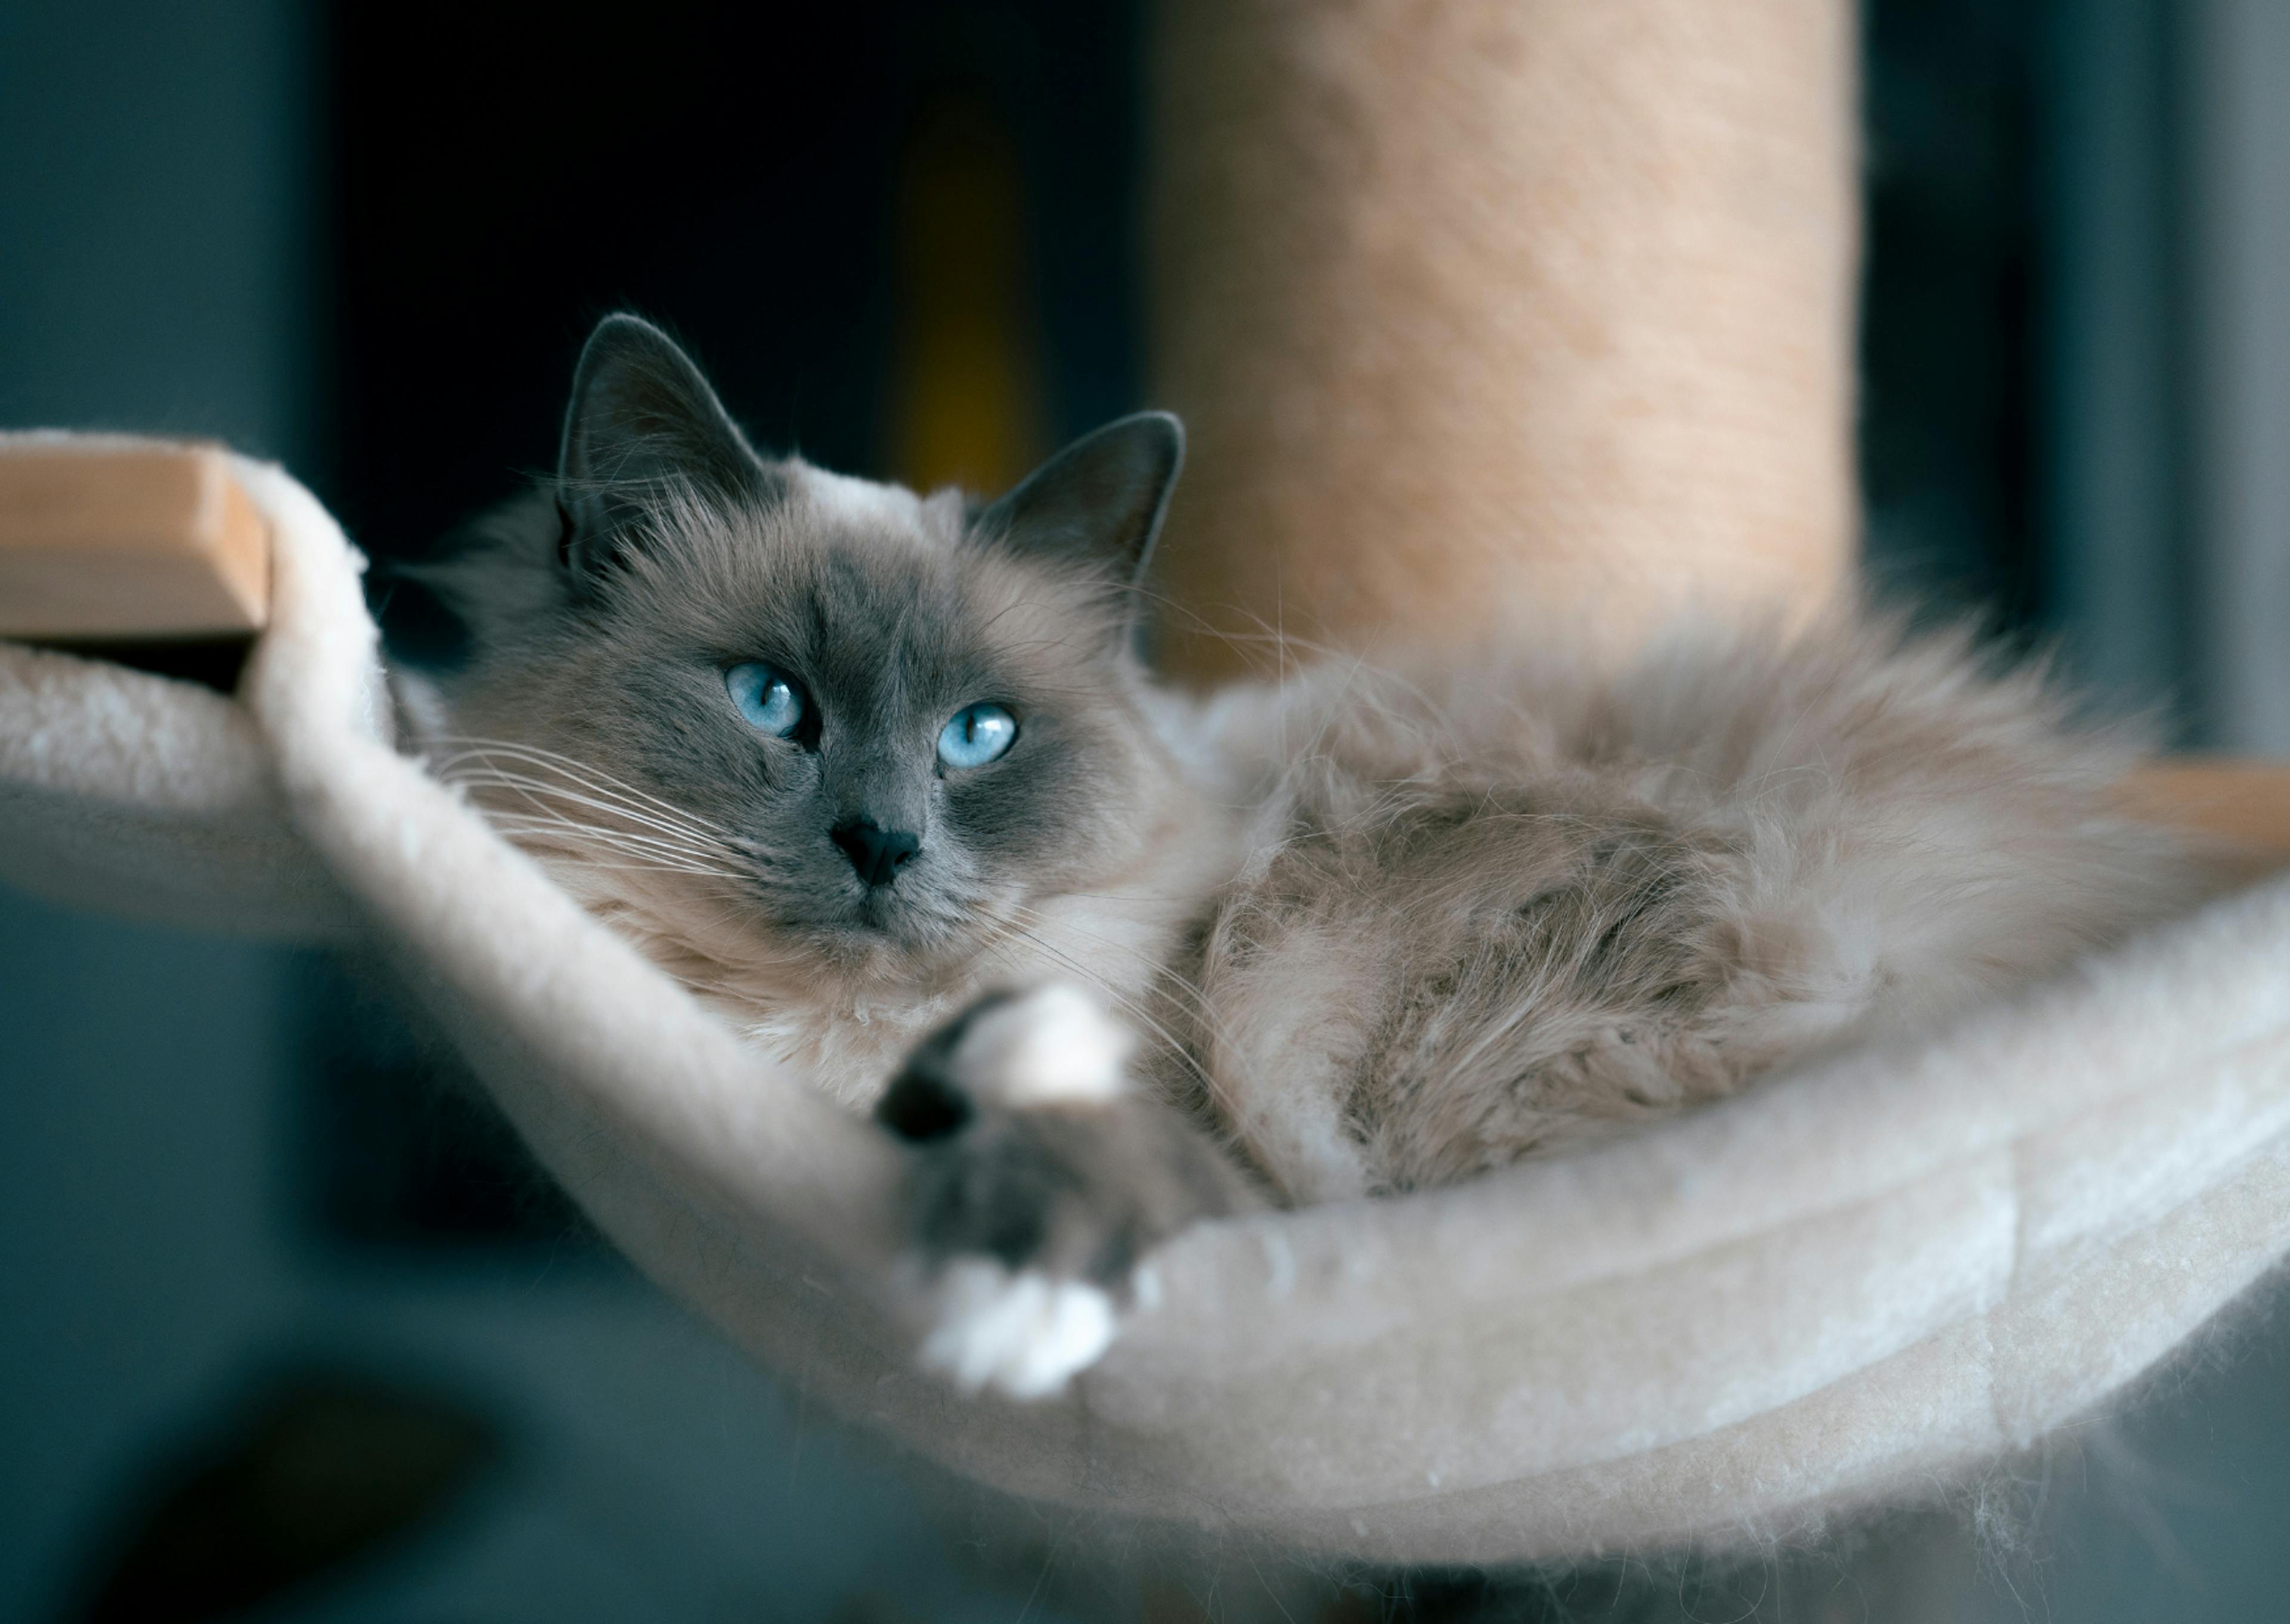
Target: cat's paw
1025, 1334
1040, 1178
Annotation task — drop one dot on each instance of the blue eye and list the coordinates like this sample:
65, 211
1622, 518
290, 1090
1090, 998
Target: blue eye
769, 700
978, 734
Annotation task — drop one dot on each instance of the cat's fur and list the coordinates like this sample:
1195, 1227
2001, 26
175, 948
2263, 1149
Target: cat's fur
1372, 932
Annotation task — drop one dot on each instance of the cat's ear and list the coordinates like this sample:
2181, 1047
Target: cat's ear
1099, 503
643, 423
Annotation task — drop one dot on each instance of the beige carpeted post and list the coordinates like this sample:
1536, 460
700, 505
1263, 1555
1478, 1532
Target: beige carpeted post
1492, 314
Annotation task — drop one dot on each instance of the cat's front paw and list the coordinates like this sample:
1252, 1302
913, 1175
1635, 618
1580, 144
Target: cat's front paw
1040, 1177
1024, 1332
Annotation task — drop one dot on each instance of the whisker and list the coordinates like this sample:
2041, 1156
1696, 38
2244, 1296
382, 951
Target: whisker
587, 836
530, 788
584, 860
594, 782
534, 807
595, 776
537, 807
453, 771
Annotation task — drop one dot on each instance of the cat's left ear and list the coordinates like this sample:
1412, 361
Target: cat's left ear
1098, 504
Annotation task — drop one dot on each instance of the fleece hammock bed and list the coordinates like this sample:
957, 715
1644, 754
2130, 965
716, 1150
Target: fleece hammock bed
1481, 313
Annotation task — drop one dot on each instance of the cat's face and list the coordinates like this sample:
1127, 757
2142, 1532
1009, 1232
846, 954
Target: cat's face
876, 726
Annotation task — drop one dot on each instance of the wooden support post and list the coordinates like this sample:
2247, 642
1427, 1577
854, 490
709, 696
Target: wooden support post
107, 537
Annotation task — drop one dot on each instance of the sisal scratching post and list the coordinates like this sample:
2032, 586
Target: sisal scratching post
1501, 314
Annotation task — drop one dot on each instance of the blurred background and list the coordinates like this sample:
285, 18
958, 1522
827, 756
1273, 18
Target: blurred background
289, 1329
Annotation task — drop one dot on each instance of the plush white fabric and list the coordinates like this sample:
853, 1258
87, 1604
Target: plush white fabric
133, 794
1834, 1289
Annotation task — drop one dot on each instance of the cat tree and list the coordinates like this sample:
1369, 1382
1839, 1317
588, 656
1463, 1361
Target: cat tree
1483, 314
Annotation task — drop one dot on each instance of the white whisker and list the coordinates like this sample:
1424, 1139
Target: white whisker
532, 790
594, 776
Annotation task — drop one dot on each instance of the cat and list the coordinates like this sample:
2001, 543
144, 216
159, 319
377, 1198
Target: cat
881, 780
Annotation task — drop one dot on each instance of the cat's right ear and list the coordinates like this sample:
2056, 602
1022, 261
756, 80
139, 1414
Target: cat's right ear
1098, 504
643, 425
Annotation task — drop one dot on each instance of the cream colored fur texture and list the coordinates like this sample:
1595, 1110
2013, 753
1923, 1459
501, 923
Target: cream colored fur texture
1511, 906
1382, 933
1375, 932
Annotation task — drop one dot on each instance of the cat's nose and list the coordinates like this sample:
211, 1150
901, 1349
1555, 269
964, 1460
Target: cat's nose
878, 853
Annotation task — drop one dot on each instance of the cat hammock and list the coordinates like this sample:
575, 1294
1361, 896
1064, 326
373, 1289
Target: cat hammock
1481, 311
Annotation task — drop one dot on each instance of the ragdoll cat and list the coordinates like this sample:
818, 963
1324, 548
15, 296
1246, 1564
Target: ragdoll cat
879, 777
